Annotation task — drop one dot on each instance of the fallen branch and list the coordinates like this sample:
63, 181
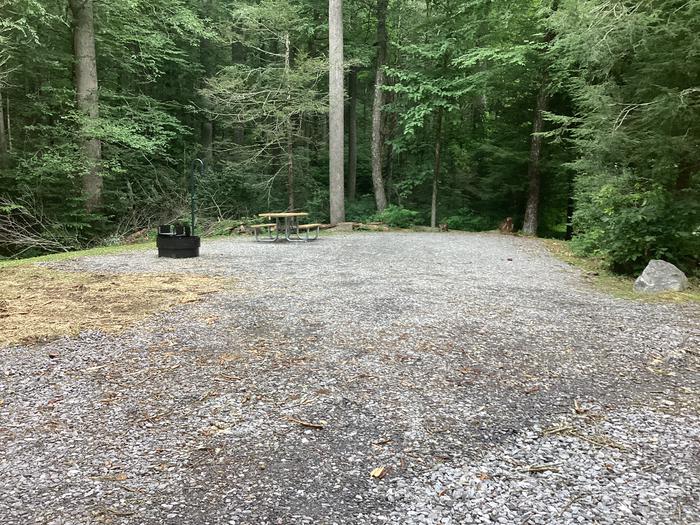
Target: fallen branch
602, 442
568, 505
227, 379
304, 423
155, 416
541, 468
563, 429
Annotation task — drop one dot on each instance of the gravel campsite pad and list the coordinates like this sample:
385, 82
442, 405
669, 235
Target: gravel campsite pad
364, 378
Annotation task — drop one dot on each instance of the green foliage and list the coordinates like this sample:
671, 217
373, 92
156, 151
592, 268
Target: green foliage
397, 217
361, 210
427, 88
140, 124
271, 98
628, 222
638, 128
468, 220
243, 84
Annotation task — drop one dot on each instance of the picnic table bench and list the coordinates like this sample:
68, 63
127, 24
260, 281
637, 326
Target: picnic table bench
287, 222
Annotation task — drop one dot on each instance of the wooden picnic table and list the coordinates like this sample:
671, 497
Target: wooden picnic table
291, 225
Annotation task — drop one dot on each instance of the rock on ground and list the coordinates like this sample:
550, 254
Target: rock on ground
661, 276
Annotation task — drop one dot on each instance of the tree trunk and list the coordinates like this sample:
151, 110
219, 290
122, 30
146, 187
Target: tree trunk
290, 130
290, 168
686, 168
207, 138
3, 135
9, 127
238, 56
436, 169
336, 111
570, 204
380, 79
389, 125
389, 171
85, 83
352, 135
207, 60
531, 220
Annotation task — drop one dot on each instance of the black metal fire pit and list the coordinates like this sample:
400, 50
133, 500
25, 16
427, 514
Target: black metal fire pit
178, 240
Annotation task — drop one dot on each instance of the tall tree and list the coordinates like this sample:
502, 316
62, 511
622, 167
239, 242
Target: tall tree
377, 106
534, 175
531, 220
336, 111
3, 134
436, 168
636, 127
4, 59
85, 83
352, 133
272, 93
208, 60
290, 124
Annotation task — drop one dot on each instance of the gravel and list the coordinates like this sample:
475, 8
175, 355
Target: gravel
629, 467
488, 378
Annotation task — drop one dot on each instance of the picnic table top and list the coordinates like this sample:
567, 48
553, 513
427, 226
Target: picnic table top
283, 214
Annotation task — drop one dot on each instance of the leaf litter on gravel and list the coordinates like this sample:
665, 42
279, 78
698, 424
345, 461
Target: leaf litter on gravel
39, 304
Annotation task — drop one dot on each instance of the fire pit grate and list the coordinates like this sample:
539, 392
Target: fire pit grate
178, 240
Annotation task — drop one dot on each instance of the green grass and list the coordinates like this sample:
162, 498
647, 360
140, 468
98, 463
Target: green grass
614, 284
62, 256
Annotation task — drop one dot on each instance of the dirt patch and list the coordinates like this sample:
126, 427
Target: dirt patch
40, 304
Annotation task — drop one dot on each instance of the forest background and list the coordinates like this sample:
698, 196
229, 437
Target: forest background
577, 118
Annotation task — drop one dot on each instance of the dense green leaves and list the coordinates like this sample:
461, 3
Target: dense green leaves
243, 83
633, 72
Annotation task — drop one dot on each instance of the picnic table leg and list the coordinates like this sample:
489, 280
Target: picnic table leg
315, 237
277, 230
289, 225
258, 237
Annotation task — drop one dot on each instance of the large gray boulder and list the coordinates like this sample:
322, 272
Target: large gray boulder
660, 276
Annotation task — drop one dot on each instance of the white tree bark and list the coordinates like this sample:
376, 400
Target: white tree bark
290, 130
379, 81
352, 135
336, 111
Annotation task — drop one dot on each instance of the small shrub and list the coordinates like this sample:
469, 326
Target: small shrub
467, 220
627, 221
397, 217
318, 206
362, 209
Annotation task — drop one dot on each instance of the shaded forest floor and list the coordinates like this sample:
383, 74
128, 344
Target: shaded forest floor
478, 378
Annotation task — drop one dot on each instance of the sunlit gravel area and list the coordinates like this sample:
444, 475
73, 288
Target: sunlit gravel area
478, 378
